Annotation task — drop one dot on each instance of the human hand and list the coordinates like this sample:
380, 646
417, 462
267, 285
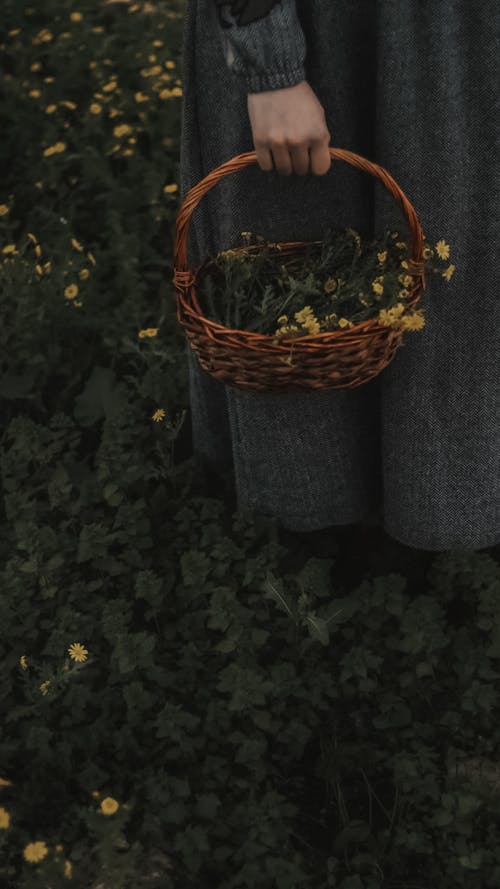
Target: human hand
289, 126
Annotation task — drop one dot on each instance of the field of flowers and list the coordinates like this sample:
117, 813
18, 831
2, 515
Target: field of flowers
177, 711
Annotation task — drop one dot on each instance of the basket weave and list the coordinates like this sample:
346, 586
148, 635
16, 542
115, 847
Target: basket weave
340, 359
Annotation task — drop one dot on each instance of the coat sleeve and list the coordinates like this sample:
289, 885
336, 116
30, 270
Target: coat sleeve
263, 42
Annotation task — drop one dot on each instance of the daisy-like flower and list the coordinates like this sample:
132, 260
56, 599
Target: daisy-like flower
58, 148
382, 256
95, 108
77, 652
377, 287
109, 806
122, 130
4, 819
415, 321
448, 272
35, 851
443, 249
71, 291
330, 285
158, 415
44, 688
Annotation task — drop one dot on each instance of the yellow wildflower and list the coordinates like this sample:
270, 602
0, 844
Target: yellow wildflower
95, 108
38, 251
58, 148
398, 309
4, 210
427, 252
9, 248
68, 869
148, 331
90, 256
382, 256
44, 687
404, 264
387, 318
282, 319
448, 272
43, 36
39, 269
67, 104
344, 322
76, 244
401, 244
4, 819
50, 109
122, 130
158, 415
151, 72
169, 64
5, 783
377, 287
330, 285
168, 189
77, 652
47, 267
413, 321
59, 847
76, 16
166, 94
71, 291
304, 314
141, 97
84, 274
443, 249
109, 806
109, 87
36, 66
35, 851
32, 237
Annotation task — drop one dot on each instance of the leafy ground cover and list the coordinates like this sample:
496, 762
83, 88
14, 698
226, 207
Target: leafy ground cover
186, 699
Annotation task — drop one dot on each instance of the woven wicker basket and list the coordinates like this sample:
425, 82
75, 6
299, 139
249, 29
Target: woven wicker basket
246, 360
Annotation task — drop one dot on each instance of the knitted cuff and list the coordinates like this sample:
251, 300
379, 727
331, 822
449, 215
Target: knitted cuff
267, 54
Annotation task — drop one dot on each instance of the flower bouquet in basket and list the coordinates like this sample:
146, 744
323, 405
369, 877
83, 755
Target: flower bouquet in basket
339, 283
304, 315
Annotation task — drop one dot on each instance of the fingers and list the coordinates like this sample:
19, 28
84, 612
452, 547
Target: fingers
301, 159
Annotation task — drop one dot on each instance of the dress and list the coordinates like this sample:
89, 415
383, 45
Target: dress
414, 87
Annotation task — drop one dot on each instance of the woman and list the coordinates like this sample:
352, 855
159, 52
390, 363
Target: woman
413, 87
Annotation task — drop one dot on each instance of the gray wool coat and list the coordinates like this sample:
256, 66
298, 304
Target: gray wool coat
413, 86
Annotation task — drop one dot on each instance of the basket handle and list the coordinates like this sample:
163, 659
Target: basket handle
184, 277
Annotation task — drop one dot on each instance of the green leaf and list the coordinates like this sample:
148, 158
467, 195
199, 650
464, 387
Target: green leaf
101, 397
